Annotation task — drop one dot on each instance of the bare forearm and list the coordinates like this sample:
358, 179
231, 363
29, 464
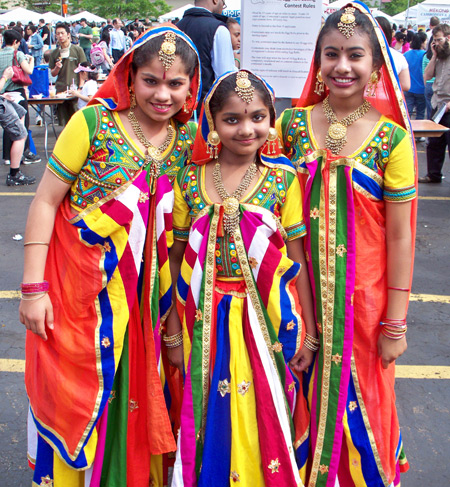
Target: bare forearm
429, 72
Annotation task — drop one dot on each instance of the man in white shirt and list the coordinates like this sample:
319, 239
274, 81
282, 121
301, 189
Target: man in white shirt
117, 44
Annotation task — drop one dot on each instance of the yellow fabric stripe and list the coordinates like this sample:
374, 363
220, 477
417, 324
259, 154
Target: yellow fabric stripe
354, 457
156, 471
245, 452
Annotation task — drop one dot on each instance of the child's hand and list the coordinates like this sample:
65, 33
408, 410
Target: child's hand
36, 315
389, 350
302, 360
175, 357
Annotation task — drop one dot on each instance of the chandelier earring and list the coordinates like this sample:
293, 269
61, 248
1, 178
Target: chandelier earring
320, 87
272, 141
186, 108
372, 84
212, 144
133, 103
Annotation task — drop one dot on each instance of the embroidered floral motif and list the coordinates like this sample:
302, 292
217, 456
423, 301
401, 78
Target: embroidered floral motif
341, 250
290, 325
198, 315
234, 476
244, 387
352, 405
224, 387
291, 386
314, 213
143, 197
319, 327
281, 270
112, 396
46, 481
351, 299
323, 469
107, 247
337, 359
277, 347
355, 463
307, 256
133, 405
274, 466
253, 262
106, 342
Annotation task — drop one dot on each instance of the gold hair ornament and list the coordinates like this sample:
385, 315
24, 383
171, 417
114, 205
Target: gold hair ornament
244, 87
347, 22
319, 89
168, 50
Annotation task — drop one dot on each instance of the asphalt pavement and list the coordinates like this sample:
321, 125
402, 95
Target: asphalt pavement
423, 394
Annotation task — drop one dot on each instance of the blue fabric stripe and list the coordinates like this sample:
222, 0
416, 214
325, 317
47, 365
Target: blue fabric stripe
217, 450
367, 183
165, 302
182, 288
361, 441
44, 461
285, 335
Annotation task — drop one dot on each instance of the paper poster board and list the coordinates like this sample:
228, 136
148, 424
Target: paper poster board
426, 11
277, 41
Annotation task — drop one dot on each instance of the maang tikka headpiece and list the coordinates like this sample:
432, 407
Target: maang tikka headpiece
167, 50
244, 87
347, 22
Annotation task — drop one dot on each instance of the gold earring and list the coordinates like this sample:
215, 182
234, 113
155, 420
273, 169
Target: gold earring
319, 89
132, 99
372, 84
186, 108
272, 141
213, 142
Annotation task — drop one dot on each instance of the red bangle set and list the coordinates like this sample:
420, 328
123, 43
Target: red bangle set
399, 289
393, 328
34, 287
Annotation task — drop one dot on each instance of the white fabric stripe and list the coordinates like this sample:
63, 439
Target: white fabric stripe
275, 388
177, 479
195, 239
258, 249
88, 476
32, 436
164, 206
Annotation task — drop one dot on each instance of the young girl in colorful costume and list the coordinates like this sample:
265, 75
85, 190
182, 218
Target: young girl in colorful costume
238, 219
98, 233
356, 165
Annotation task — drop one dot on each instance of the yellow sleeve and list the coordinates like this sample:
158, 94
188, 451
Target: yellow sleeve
399, 174
71, 149
181, 219
292, 210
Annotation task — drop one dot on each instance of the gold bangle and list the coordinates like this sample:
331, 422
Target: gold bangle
173, 338
35, 297
36, 243
315, 340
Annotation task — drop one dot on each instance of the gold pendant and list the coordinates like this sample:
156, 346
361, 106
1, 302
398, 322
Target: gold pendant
337, 131
230, 205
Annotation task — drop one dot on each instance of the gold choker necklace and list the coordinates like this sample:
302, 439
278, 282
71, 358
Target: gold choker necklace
336, 136
231, 201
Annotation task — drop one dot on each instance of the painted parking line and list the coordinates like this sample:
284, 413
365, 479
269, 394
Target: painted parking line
15, 194
435, 198
401, 371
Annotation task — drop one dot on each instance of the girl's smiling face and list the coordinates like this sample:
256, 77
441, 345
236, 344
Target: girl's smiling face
346, 64
243, 127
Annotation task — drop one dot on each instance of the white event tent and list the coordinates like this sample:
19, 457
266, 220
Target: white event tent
52, 17
177, 13
90, 17
20, 14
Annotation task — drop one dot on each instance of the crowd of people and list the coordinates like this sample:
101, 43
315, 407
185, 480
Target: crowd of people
225, 300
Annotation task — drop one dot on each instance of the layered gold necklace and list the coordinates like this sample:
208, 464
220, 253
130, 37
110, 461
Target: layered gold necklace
336, 136
231, 201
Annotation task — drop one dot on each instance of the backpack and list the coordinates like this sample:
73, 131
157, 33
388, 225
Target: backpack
97, 55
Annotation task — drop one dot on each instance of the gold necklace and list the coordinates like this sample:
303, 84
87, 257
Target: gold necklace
336, 136
231, 201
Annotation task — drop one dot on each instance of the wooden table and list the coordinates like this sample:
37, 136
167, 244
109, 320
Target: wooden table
34, 102
428, 128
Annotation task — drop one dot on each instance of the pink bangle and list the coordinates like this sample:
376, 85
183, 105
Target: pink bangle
34, 287
399, 289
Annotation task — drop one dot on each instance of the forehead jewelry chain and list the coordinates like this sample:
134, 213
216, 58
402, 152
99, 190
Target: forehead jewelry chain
244, 87
347, 22
231, 202
336, 136
154, 154
168, 49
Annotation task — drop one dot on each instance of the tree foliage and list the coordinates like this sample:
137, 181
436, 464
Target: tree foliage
126, 9
396, 6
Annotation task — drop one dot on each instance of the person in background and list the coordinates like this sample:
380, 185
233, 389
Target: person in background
434, 21
12, 40
400, 40
44, 32
235, 32
104, 44
12, 118
95, 33
415, 96
74, 33
62, 63
35, 44
400, 64
85, 36
117, 44
439, 67
429, 82
206, 26
88, 84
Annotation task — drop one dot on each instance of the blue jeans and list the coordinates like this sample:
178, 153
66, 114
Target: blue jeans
418, 101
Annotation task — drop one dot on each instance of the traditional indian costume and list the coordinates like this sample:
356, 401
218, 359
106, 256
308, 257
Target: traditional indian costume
244, 416
355, 434
94, 386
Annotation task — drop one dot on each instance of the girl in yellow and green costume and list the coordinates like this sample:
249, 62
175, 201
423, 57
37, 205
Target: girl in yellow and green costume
351, 142
94, 362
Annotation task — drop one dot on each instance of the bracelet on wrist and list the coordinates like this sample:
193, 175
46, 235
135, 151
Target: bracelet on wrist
34, 287
36, 243
173, 341
25, 297
311, 343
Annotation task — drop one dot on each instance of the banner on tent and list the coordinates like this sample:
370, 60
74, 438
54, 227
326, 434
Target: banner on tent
277, 41
425, 12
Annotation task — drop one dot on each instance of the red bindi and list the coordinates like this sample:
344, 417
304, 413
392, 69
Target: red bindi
164, 75
245, 111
